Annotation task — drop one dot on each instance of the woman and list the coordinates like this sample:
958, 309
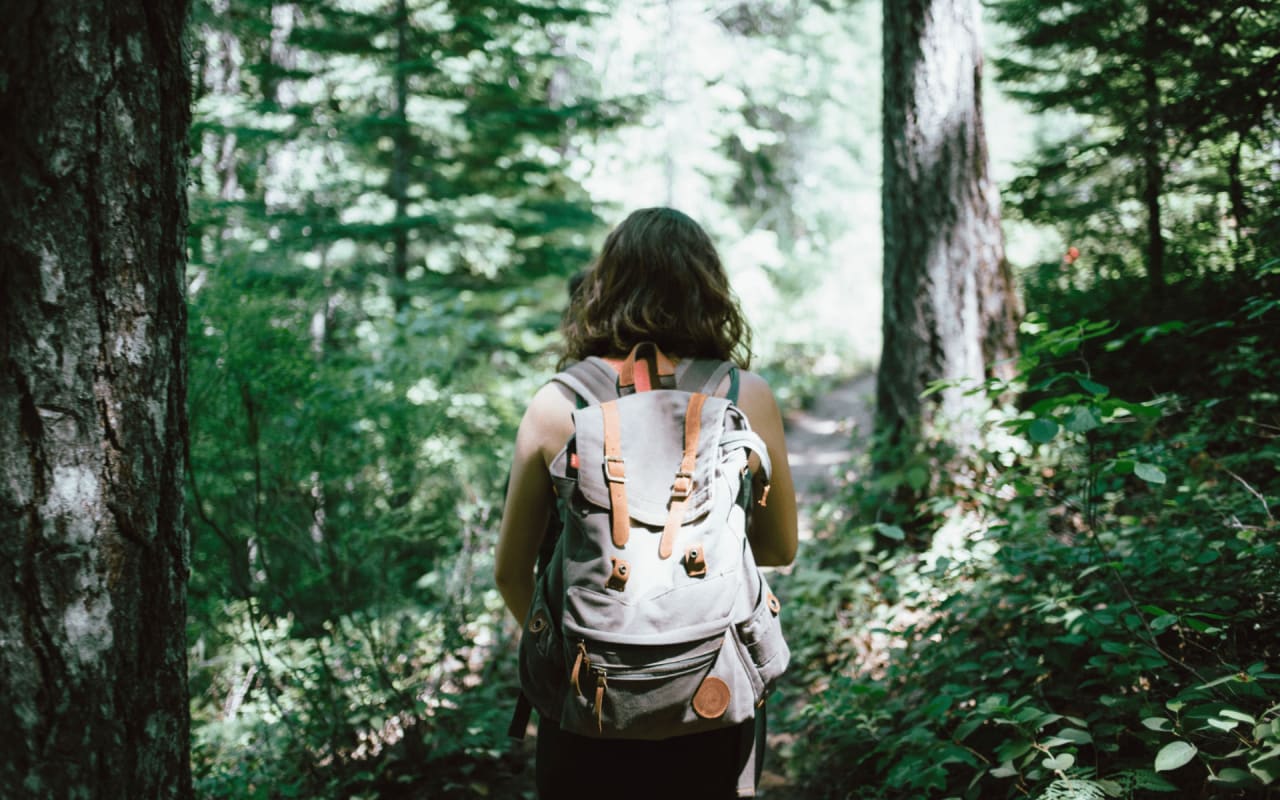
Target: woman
658, 279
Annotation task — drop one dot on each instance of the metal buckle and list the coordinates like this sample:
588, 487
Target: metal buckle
679, 491
621, 477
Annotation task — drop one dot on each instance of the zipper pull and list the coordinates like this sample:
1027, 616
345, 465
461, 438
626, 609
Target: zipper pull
601, 684
582, 660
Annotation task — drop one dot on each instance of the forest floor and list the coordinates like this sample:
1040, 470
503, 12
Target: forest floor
822, 439
821, 442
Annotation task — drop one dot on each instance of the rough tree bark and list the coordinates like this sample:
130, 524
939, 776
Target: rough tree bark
94, 110
950, 305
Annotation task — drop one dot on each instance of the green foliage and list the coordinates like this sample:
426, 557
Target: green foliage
1166, 96
382, 224
387, 198
1095, 615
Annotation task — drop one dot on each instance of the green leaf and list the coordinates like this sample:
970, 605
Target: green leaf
966, 728
1076, 735
1005, 770
1060, 762
1174, 755
1266, 768
1163, 622
1152, 782
1043, 430
1082, 420
1239, 716
1092, 387
1014, 748
1149, 472
1232, 777
890, 531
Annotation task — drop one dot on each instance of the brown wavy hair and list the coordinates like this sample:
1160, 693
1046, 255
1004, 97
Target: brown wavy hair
657, 279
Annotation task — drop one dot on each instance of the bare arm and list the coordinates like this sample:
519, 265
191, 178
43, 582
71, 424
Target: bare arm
544, 429
774, 534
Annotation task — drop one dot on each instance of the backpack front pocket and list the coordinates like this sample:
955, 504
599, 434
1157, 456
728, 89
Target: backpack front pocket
654, 692
760, 642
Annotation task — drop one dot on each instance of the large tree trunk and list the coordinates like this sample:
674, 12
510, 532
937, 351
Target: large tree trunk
950, 306
94, 109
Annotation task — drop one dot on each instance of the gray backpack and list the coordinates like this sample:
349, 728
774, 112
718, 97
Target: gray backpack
650, 618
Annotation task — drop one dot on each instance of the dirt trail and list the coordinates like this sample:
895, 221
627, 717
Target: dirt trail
820, 441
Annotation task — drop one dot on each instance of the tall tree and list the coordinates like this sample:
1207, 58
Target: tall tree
1163, 123
93, 550
950, 307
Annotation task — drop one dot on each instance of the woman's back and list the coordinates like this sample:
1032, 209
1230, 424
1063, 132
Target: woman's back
658, 279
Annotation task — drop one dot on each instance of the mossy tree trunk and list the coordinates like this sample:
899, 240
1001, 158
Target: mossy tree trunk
950, 305
94, 110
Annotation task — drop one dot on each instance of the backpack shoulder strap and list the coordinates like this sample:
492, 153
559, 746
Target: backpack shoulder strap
591, 379
705, 374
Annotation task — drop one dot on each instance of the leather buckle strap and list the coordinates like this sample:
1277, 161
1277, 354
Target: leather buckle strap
615, 473
610, 462
659, 368
682, 487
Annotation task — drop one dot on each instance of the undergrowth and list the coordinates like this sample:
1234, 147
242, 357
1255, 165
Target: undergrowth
1095, 615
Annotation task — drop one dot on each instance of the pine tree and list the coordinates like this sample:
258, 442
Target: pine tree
382, 226
1157, 88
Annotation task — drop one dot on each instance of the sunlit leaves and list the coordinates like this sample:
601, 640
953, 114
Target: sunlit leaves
1174, 755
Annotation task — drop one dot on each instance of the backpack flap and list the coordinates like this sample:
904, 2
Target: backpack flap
652, 440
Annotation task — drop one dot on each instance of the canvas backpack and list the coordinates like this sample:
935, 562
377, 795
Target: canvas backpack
650, 619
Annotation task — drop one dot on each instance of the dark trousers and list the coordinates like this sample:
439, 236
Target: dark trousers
702, 765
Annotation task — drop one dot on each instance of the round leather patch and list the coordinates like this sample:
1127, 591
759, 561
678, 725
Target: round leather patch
712, 698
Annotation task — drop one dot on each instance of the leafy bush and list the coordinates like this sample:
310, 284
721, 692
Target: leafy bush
1095, 616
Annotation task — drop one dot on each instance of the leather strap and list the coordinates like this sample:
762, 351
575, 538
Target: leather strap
660, 367
581, 661
601, 685
682, 487
615, 474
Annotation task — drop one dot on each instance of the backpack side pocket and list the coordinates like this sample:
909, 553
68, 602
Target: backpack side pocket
544, 675
761, 644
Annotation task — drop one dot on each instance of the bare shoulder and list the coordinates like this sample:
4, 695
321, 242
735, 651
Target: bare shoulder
548, 421
755, 397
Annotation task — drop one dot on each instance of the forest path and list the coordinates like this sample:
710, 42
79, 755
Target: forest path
821, 440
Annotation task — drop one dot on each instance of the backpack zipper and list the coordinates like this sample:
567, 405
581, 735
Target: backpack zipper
602, 683
625, 675
669, 669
